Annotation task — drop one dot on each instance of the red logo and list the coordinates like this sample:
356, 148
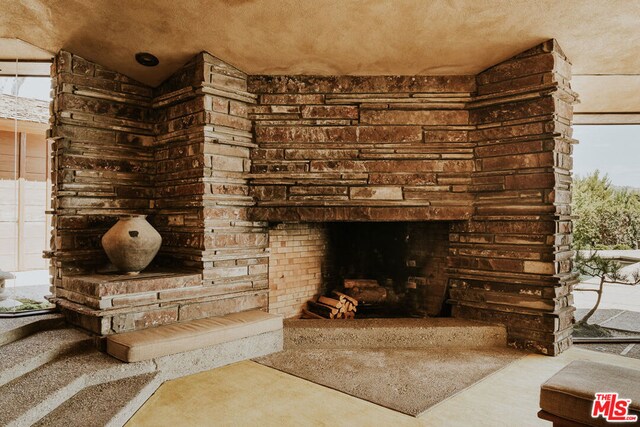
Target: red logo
611, 408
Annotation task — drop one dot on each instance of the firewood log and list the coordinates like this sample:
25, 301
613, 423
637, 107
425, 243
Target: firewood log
349, 306
325, 311
330, 301
346, 297
369, 295
360, 283
306, 314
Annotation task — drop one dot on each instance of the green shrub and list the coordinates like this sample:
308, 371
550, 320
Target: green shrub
606, 217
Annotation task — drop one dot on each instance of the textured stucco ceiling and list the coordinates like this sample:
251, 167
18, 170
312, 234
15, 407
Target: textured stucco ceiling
622, 93
357, 37
330, 36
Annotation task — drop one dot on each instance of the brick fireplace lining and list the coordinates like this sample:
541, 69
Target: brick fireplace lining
311, 259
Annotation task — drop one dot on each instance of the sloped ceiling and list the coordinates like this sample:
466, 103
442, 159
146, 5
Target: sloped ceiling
357, 37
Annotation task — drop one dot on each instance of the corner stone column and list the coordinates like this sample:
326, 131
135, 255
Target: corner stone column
178, 153
511, 263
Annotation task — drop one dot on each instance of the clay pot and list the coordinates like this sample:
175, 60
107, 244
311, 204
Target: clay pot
131, 244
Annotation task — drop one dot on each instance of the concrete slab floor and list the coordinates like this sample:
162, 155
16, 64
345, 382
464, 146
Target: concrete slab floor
615, 296
620, 319
622, 349
247, 394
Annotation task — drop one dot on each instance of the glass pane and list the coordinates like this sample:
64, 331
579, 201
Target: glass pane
8, 192
606, 203
25, 186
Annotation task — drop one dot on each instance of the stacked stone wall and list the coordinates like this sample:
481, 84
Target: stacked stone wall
177, 153
212, 155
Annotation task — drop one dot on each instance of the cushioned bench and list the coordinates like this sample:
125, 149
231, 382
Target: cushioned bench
185, 336
567, 398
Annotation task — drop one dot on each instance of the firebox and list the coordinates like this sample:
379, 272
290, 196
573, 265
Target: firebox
394, 269
406, 260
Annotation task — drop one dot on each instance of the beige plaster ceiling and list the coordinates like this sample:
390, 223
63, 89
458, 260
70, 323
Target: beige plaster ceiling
622, 93
10, 46
357, 37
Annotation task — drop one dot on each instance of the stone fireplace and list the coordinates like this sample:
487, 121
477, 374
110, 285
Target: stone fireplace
269, 190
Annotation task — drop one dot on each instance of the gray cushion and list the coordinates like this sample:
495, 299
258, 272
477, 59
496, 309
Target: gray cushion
570, 393
178, 337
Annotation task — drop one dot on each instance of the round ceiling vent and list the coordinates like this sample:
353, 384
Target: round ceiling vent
147, 59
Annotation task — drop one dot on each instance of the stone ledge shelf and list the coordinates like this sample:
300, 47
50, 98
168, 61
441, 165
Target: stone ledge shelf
360, 213
108, 304
106, 291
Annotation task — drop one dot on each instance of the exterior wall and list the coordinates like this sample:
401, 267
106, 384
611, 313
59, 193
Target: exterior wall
296, 266
511, 263
362, 148
8, 202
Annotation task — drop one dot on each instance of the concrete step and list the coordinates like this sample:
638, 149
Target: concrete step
32, 396
13, 329
56, 377
29, 353
108, 404
392, 333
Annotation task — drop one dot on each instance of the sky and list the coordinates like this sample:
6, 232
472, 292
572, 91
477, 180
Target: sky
613, 149
33, 87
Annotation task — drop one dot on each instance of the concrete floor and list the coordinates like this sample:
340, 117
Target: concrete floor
625, 320
620, 319
35, 292
615, 296
247, 393
621, 349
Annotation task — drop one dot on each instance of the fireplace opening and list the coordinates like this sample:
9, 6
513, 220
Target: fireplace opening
394, 269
